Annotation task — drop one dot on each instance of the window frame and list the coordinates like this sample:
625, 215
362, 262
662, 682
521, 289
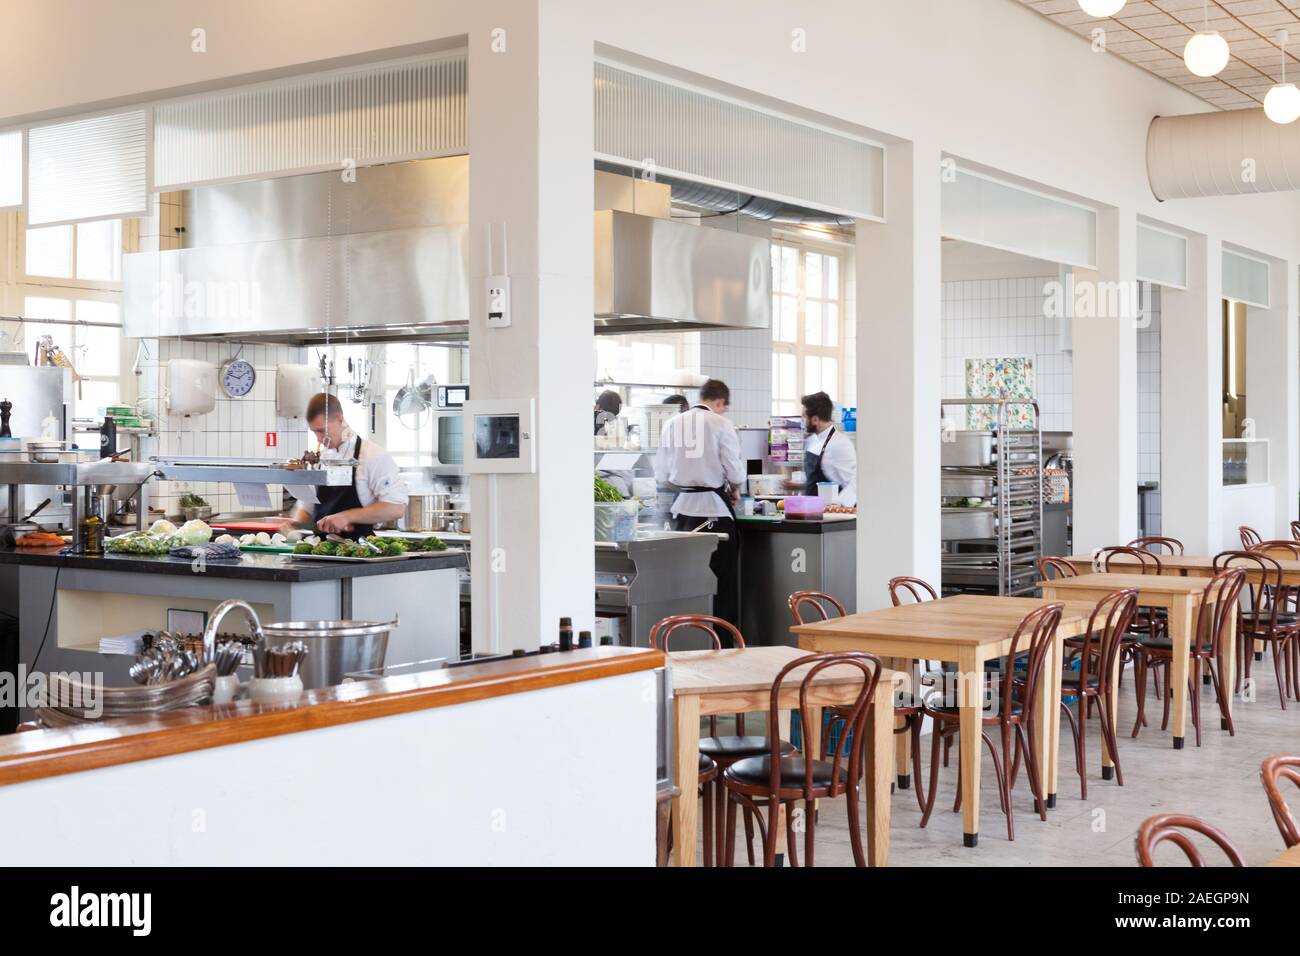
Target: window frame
801, 349
126, 235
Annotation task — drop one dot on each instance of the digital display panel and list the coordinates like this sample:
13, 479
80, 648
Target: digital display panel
496, 436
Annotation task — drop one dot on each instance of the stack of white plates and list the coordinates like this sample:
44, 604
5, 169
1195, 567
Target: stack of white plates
73, 702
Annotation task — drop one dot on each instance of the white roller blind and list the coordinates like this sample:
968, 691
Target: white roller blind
87, 169
976, 208
1245, 279
1161, 257
11, 170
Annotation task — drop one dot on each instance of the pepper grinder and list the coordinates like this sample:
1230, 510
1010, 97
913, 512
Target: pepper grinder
6, 407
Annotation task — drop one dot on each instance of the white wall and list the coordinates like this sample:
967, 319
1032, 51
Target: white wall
522, 780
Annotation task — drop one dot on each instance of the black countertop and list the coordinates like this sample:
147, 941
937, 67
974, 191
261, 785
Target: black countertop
746, 524
251, 567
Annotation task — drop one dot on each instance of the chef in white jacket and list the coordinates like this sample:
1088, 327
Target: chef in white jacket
699, 457
828, 455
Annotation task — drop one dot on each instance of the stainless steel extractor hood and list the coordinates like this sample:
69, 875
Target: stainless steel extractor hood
656, 275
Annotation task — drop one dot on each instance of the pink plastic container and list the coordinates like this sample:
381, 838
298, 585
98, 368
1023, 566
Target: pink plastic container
805, 507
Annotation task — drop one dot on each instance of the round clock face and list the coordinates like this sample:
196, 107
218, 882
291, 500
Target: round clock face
237, 378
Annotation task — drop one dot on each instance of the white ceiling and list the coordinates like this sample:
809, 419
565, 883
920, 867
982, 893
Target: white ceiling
1152, 34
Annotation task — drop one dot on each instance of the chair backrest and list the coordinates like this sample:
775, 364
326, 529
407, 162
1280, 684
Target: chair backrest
1112, 617
1249, 536
1033, 638
908, 590
1050, 568
1158, 544
1147, 563
1282, 550
1295, 530
1274, 769
662, 630
870, 666
1170, 826
1219, 608
817, 603
1263, 578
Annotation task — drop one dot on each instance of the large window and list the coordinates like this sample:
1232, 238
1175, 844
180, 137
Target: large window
807, 325
89, 252
95, 352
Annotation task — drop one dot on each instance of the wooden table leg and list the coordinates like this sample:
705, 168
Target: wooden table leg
970, 703
1048, 745
878, 769
903, 742
1180, 632
686, 734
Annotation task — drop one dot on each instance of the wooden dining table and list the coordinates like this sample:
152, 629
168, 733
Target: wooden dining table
1289, 857
739, 681
967, 630
1184, 565
1177, 594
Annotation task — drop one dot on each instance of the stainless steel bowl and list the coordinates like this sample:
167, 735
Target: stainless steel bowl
45, 451
334, 648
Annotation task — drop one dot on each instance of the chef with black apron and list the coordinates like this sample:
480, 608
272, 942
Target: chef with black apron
699, 458
376, 493
829, 457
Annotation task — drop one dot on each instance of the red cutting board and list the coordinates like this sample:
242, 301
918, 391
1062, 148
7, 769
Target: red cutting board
270, 527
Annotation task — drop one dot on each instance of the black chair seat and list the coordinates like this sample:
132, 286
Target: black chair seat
1265, 618
993, 710
1165, 644
706, 763
1072, 679
757, 771
734, 748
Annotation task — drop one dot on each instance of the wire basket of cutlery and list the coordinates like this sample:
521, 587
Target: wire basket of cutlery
69, 700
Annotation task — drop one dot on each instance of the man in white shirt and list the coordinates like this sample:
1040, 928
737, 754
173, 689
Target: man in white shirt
828, 455
699, 457
376, 493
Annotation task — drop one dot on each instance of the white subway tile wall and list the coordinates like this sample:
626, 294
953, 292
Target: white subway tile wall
744, 361
235, 428
1148, 376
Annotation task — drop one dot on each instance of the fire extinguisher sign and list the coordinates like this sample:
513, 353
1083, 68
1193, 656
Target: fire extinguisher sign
270, 439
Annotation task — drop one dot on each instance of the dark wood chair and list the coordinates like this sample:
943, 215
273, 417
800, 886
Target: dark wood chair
1149, 622
1267, 620
1248, 536
1158, 544
1295, 530
1050, 568
777, 780
1096, 678
1013, 715
1274, 769
721, 749
1170, 827
1217, 611
808, 606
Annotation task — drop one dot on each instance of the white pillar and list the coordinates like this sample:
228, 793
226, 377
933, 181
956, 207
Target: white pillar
899, 381
530, 143
1273, 390
1104, 335
1191, 402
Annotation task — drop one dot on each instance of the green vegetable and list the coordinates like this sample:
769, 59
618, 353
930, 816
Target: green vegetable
325, 547
302, 547
606, 492
432, 544
193, 501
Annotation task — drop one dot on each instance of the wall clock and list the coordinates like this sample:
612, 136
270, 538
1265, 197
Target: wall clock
237, 378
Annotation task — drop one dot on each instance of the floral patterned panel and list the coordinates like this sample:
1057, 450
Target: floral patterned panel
999, 378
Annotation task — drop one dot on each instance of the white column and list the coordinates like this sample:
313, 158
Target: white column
899, 381
1273, 390
530, 142
1191, 402
1104, 335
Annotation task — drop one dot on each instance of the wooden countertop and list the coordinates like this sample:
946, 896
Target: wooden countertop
35, 754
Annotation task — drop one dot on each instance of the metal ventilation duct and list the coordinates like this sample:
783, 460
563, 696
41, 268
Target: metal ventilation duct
1221, 154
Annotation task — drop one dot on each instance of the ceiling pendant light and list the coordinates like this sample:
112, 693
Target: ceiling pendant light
1102, 8
1206, 53
1282, 104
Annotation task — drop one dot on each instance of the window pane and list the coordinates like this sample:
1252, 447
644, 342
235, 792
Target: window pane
98, 350
833, 277
812, 374
831, 377
784, 385
787, 328
812, 263
91, 398
812, 323
832, 336
49, 252
789, 270
99, 250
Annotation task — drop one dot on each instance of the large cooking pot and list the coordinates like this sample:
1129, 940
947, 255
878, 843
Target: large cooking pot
334, 648
428, 512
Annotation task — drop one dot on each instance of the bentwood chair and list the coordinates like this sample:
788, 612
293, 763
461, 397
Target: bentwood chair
1051, 568
1158, 544
721, 750
1273, 770
775, 780
905, 589
1249, 536
1295, 530
1152, 622
1213, 619
1171, 826
1266, 621
1012, 712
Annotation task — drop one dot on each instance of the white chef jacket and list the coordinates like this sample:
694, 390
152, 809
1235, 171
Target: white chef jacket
839, 462
377, 477
699, 448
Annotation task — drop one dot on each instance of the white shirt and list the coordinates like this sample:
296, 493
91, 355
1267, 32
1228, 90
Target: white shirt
699, 449
377, 477
839, 462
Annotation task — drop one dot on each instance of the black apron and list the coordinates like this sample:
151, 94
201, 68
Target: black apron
812, 468
331, 499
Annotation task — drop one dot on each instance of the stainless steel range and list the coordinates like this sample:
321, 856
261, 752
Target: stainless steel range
639, 582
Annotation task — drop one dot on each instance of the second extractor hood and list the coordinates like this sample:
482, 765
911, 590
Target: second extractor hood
656, 275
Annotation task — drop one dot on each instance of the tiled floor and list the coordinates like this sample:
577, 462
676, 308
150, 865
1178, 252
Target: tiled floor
1218, 781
